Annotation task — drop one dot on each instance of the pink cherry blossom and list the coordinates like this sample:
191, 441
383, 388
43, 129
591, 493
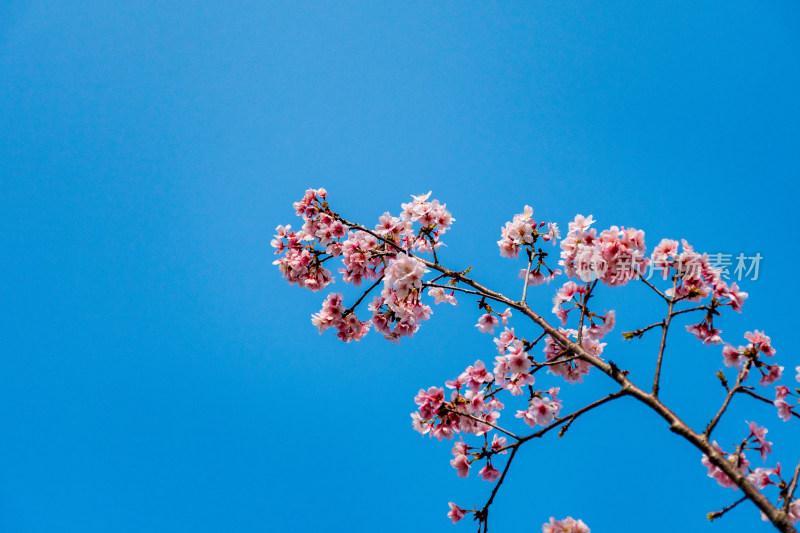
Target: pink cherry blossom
461, 464
523, 231
498, 443
505, 338
760, 477
566, 525
760, 436
574, 369
332, 315
439, 295
761, 341
489, 473
794, 511
772, 375
535, 277
404, 273
737, 297
731, 356
781, 392
487, 323
615, 256
456, 513
541, 410
459, 448
704, 332
784, 409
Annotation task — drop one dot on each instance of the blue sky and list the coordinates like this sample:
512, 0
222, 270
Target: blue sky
158, 375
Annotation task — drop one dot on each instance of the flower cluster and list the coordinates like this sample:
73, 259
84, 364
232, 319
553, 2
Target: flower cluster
566, 525
697, 278
463, 458
470, 404
759, 343
348, 326
524, 231
542, 410
469, 409
573, 369
301, 263
614, 257
512, 368
759, 436
366, 255
785, 409
360, 256
432, 216
398, 311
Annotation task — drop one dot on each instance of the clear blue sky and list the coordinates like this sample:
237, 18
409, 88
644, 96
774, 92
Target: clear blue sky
157, 374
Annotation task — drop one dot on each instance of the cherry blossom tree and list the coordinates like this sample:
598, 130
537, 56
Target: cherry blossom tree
397, 260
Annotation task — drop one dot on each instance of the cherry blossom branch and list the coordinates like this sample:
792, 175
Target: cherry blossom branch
677, 426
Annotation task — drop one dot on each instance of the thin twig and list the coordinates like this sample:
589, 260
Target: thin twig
717, 514
698, 308
485, 510
459, 289
664, 329
791, 489
586, 296
733, 390
654, 288
527, 273
573, 416
476, 419
747, 391
353, 307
